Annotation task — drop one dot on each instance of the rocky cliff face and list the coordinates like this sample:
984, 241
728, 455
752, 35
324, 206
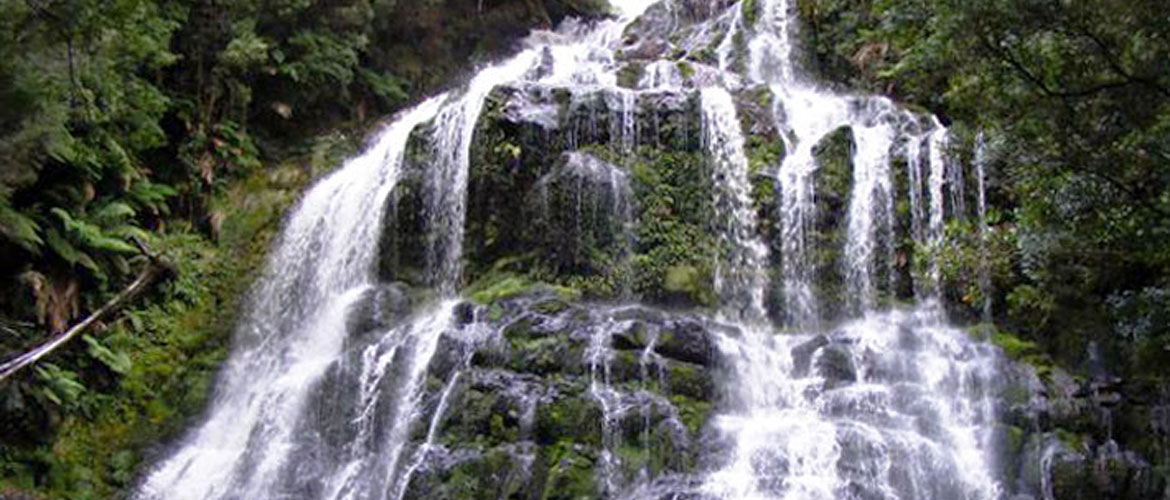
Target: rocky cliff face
548, 399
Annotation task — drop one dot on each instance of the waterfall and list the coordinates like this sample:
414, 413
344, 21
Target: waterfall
739, 274
808, 117
938, 166
864, 401
456, 125
870, 211
844, 415
980, 178
295, 329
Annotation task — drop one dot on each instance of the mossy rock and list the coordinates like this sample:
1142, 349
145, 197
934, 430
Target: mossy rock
833, 181
571, 472
574, 417
688, 379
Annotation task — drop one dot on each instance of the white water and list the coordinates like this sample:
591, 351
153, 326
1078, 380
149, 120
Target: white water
891, 404
894, 404
295, 330
739, 272
937, 167
870, 211
980, 177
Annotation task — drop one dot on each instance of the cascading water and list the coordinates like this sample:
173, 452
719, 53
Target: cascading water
980, 179
893, 405
935, 179
870, 211
739, 275
295, 330
883, 403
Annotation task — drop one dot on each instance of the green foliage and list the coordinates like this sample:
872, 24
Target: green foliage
61, 386
674, 251
509, 286
96, 406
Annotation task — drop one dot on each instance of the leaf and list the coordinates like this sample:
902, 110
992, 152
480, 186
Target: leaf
113, 212
61, 246
88, 262
65, 217
118, 362
19, 229
62, 387
102, 242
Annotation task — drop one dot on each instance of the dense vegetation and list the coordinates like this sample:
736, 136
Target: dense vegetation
188, 126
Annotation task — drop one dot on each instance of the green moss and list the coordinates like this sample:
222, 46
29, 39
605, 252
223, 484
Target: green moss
685, 279
693, 413
674, 252
576, 419
1073, 440
508, 286
685, 69
1024, 350
633, 456
552, 306
541, 355
497, 286
1012, 345
570, 473
833, 181
750, 13
688, 380
494, 471
630, 74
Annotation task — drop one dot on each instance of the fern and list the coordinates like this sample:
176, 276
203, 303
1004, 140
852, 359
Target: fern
90, 235
119, 362
19, 229
62, 387
61, 246
113, 212
146, 194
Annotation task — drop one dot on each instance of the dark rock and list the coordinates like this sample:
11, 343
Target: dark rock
378, 309
690, 380
636, 337
464, 313
835, 364
687, 341
803, 353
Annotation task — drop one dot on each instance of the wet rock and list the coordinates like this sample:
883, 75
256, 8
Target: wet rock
582, 211
525, 105
687, 379
685, 341
802, 354
378, 309
636, 337
835, 364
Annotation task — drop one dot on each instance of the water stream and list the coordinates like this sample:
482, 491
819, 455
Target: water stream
883, 403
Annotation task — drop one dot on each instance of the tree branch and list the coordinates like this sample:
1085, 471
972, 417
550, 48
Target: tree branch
1111, 60
1006, 55
155, 270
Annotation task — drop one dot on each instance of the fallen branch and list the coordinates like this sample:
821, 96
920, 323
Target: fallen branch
156, 268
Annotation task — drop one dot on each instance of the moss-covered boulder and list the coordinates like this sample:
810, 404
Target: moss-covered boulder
564, 400
833, 180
